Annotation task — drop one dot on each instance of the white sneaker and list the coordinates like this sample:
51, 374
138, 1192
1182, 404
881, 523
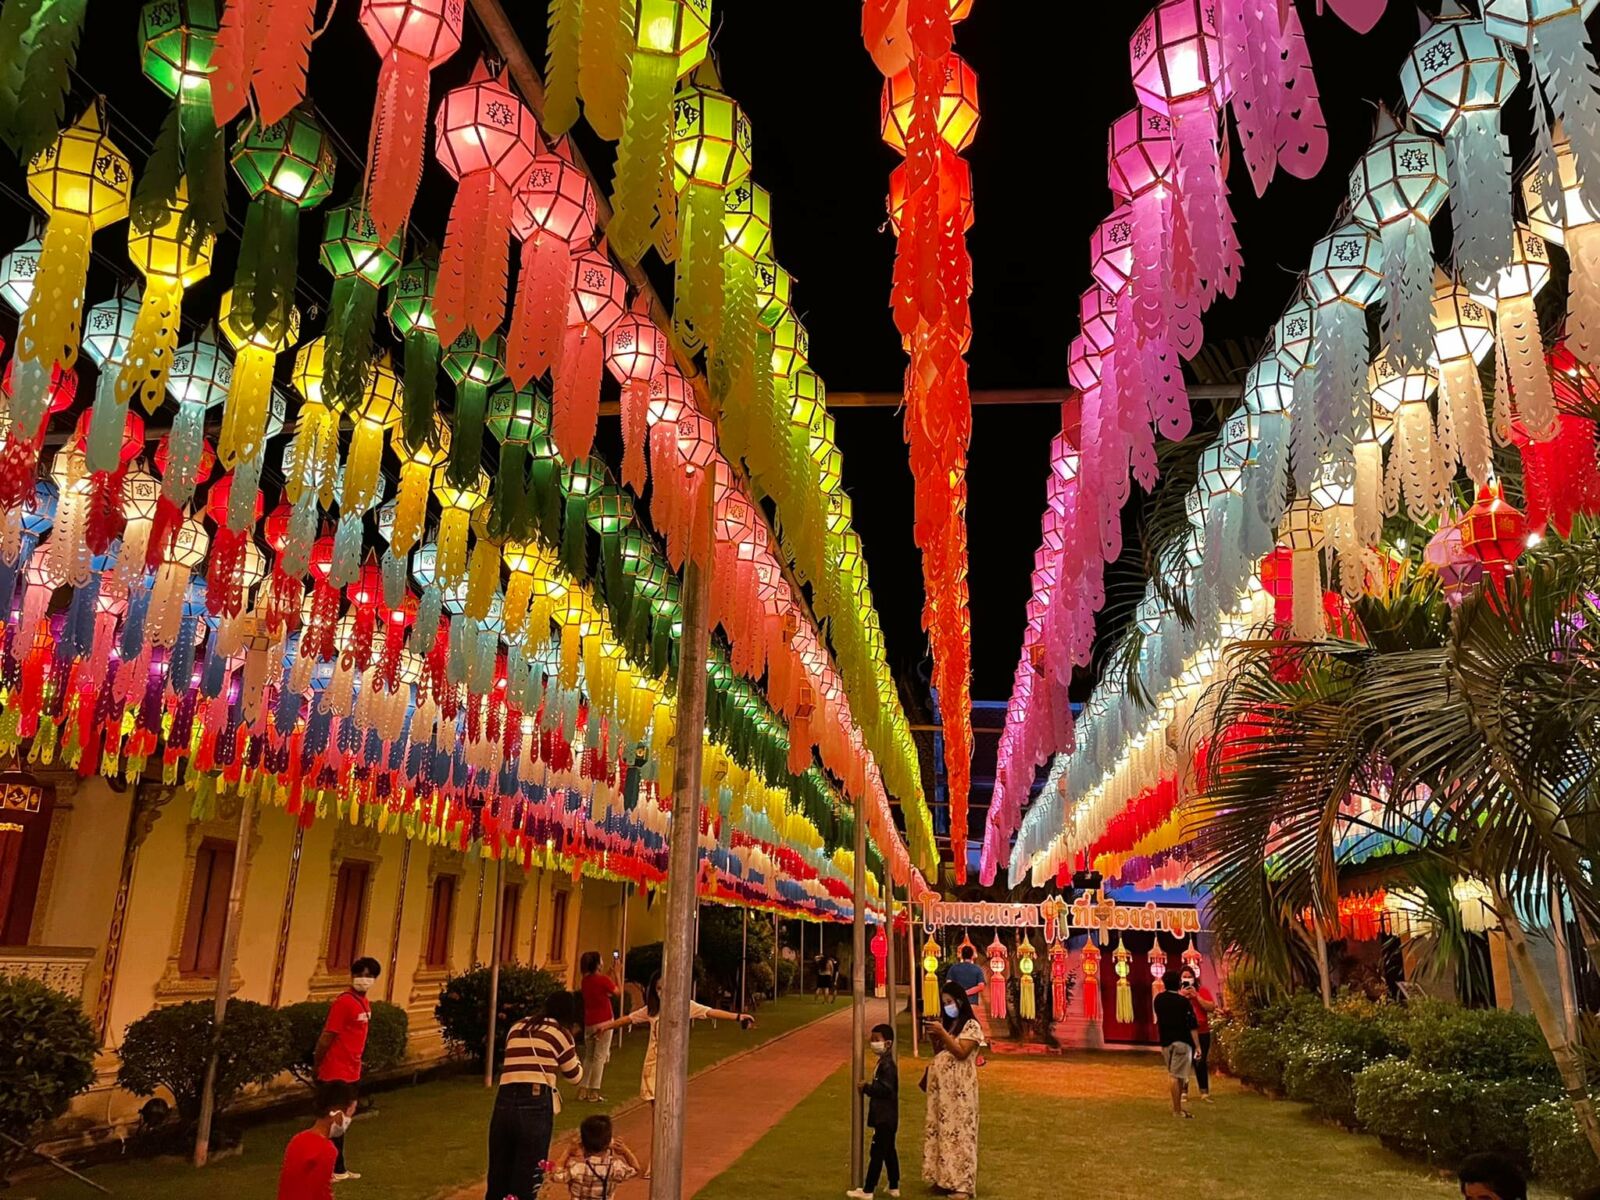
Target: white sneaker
858, 1194
341, 1176
895, 1192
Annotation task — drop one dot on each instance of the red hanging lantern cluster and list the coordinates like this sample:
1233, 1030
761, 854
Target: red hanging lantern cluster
930, 114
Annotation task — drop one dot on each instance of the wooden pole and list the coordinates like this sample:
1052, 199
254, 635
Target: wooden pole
230, 951
683, 862
911, 979
744, 954
494, 965
888, 959
622, 958
399, 911
858, 996
800, 962
280, 956
774, 956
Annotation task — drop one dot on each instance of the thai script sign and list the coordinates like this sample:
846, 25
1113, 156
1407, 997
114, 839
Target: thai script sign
1058, 917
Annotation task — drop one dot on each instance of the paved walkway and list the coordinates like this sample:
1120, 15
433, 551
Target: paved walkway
734, 1103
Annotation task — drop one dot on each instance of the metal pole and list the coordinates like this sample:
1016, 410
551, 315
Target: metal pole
230, 950
744, 954
888, 959
774, 956
494, 966
683, 855
911, 980
858, 995
800, 962
399, 911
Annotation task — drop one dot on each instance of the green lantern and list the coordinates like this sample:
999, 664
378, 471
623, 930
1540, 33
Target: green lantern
611, 514
545, 472
580, 483
474, 366
176, 40
411, 312
710, 154
515, 416
747, 225
286, 167
362, 265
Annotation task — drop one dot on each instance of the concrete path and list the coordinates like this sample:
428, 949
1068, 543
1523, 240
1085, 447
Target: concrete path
733, 1103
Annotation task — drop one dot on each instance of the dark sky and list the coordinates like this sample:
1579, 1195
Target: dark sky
1052, 75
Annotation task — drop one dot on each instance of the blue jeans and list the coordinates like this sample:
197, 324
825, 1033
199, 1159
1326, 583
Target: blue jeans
519, 1140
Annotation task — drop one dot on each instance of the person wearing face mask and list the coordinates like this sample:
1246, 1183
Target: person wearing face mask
307, 1172
337, 1058
1203, 1002
883, 1114
950, 1134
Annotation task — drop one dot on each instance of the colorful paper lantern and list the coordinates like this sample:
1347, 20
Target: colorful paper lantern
411, 311
553, 214
362, 263
1345, 275
1522, 366
177, 38
264, 48
1558, 213
201, 376
475, 367
1463, 335
635, 351
41, 39
598, 293
710, 153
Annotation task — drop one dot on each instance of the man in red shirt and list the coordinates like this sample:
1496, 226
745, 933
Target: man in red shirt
1201, 1000
307, 1172
337, 1057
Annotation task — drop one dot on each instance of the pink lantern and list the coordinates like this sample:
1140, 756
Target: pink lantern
553, 212
486, 139
412, 37
598, 295
636, 349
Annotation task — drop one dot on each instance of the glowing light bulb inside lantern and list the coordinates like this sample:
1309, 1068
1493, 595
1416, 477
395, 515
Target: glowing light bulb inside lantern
1521, 349
475, 367
1558, 213
171, 584
1463, 334
553, 213
710, 153
635, 350
82, 184
177, 40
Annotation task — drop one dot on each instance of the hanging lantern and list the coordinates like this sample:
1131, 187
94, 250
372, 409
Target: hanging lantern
1459, 572
264, 48
1418, 469
1177, 67
1553, 34
412, 37
286, 166
455, 520
411, 492
362, 264
41, 39
169, 266
82, 184
1557, 212
598, 295
17, 272
474, 367
711, 153
1494, 532
411, 311
635, 351
378, 412
200, 378
1463, 335
1303, 534
486, 139
177, 38
747, 221
1455, 80
1395, 190
1522, 367
956, 122
553, 214
515, 417
1345, 276
999, 964
671, 38
247, 414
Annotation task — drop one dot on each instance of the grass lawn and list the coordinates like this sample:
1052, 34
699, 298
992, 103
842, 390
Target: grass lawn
421, 1141
1092, 1125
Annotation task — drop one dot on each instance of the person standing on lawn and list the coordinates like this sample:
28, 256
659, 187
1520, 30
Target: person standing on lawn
307, 1171
337, 1057
598, 990
1202, 1001
539, 1051
883, 1114
950, 1131
826, 966
1175, 1023
650, 1015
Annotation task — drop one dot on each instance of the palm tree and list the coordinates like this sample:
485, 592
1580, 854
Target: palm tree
1475, 732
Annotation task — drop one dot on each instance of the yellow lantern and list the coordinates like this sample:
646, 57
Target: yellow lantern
82, 183
930, 977
245, 412
379, 412
455, 521
416, 473
170, 263
710, 154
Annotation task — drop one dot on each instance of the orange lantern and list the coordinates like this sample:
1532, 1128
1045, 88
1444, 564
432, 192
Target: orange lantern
958, 106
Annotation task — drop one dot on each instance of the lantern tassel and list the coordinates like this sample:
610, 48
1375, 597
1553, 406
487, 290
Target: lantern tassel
245, 411
646, 133
183, 453
1206, 212
1480, 197
233, 60
1408, 292
362, 473
543, 284
565, 23
452, 560
1566, 68
50, 331
1583, 301
734, 357
1527, 373
103, 446
421, 388
152, 345
1302, 129
471, 291
411, 507
604, 51
466, 446
1307, 623
697, 295
575, 401
245, 492
347, 362
1341, 356
1303, 433
1461, 397
284, 56
396, 141
37, 72
264, 282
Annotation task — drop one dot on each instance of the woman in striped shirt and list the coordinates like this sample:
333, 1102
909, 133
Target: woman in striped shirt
538, 1051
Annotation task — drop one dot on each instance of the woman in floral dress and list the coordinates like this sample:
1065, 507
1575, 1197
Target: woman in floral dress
950, 1135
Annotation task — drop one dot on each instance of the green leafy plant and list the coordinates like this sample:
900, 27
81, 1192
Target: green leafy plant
1557, 1149
169, 1047
1445, 1115
387, 1034
463, 1007
48, 1056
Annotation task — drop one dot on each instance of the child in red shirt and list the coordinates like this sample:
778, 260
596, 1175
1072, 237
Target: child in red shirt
307, 1172
337, 1056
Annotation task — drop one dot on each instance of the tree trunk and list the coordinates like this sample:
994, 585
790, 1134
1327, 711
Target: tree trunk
1568, 1064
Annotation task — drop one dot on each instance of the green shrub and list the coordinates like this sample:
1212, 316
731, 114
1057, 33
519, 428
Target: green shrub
1445, 1115
786, 970
1325, 1049
1255, 1056
169, 1047
48, 1055
463, 1007
1560, 1153
1487, 1043
386, 1036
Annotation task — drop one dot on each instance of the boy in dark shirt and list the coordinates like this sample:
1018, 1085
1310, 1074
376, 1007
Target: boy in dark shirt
1175, 1023
883, 1114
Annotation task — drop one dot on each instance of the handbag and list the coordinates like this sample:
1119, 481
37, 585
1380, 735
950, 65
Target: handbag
923, 1082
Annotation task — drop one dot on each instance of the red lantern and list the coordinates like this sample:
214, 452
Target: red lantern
553, 212
958, 106
599, 293
955, 191
412, 37
1494, 531
636, 349
486, 139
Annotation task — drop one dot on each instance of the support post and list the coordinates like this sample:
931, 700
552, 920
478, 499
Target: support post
911, 980
800, 962
622, 956
774, 956
280, 956
230, 951
683, 862
744, 956
494, 965
858, 995
888, 959
399, 911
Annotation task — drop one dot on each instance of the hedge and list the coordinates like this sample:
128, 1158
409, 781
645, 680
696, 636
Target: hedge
1560, 1153
387, 1034
1445, 1115
47, 1047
